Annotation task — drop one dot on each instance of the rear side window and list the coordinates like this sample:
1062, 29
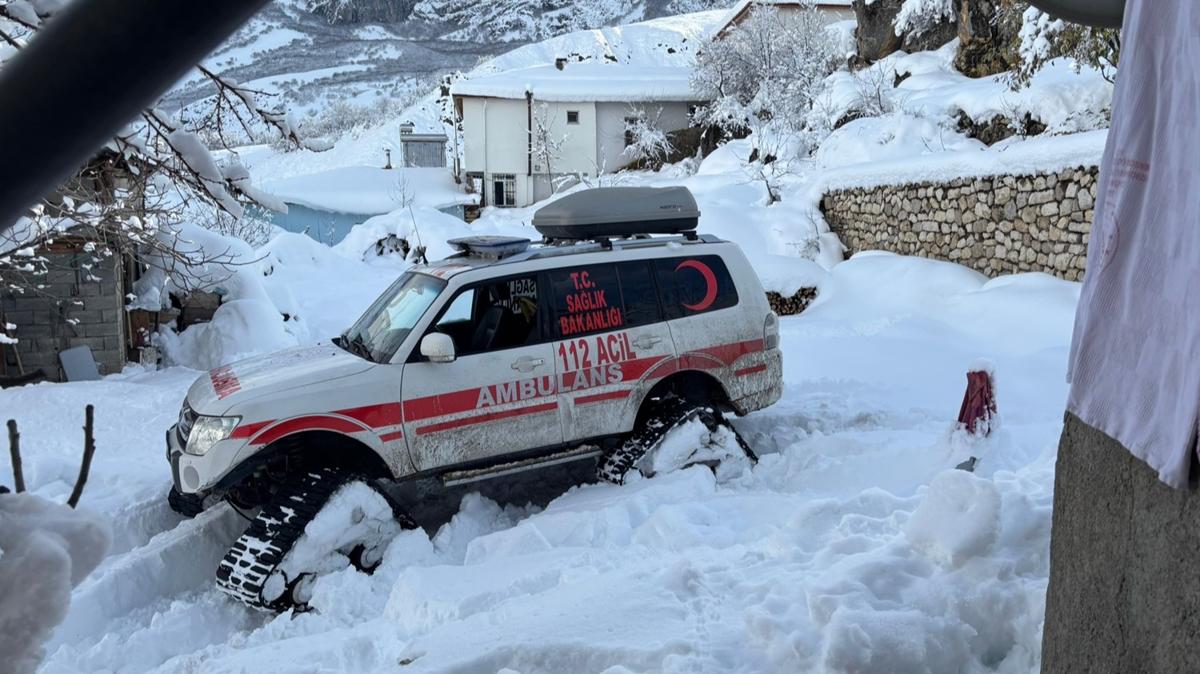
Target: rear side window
694, 285
602, 297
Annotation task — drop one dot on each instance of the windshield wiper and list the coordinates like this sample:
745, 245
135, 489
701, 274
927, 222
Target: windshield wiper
354, 345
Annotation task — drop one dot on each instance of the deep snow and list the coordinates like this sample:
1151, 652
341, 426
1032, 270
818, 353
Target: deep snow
852, 546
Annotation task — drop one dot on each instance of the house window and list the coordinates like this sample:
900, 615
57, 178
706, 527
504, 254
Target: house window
572, 116
504, 189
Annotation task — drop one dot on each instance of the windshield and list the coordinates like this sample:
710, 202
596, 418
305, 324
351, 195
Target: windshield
380, 331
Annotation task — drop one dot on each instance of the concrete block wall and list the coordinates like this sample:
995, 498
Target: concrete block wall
70, 311
1124, 595
995, 225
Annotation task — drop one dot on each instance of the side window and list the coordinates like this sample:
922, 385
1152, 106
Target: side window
585, 300
694, 285
492, 316
639, 295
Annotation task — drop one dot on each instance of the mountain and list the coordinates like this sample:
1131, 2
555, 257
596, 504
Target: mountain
316, 52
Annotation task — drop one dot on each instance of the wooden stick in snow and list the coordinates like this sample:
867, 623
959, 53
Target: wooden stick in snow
14, 449
89, 448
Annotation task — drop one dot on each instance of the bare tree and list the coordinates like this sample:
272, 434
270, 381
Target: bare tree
648, 144
127, 199
547, 142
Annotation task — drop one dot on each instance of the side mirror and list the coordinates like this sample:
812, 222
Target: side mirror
438, 347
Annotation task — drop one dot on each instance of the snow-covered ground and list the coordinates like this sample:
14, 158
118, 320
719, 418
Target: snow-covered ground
852, 546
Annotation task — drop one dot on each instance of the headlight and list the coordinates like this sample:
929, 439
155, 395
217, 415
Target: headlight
208, 431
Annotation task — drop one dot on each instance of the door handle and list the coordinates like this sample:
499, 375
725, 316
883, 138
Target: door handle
645, 340
527, 364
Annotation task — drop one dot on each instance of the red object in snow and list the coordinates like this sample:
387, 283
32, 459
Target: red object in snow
979, 403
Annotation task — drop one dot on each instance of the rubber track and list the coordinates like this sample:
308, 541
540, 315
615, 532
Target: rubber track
252, 558
669, 414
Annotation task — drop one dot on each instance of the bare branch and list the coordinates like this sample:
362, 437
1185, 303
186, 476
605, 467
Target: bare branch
85, 466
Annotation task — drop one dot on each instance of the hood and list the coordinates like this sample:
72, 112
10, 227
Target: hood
222, 389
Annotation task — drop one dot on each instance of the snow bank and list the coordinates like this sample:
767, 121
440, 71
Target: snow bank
957, 520
1064, 97
1033, 155
239, 329
894, 137
45, 550
370, 190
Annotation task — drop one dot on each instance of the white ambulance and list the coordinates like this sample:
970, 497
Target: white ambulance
509, 356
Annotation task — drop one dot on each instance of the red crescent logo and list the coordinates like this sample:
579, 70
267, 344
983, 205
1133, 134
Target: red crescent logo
710, 295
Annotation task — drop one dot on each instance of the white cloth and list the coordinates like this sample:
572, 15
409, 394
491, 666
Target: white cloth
1135, 357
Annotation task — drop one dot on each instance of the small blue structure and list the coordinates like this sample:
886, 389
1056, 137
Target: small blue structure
329, 227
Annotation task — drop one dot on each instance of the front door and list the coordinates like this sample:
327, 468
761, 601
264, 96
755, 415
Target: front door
498, 396
609, 336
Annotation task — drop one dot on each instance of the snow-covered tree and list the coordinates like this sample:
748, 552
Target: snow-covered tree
768, 67
648, 143
764, 76
919, 16
548, 142
1043, 37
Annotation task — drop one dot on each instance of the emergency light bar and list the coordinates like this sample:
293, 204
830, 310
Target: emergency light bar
490, 247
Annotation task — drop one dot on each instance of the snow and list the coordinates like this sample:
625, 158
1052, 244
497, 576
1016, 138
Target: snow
370, 190
847, 548
355, 514
852, 546
917, 16
45, 550
1035, 154
584, 82
958, 519
1063, 96
423, 226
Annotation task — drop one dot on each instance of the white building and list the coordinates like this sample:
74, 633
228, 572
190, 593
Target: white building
523, 129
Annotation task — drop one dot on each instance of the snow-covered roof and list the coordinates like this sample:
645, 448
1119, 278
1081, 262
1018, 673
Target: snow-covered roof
583, 82
370, 190
738, 12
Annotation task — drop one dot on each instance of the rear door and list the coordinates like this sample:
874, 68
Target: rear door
498, 396
712, 327
608, 331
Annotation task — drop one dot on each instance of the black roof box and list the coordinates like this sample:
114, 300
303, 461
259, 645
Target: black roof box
605, 212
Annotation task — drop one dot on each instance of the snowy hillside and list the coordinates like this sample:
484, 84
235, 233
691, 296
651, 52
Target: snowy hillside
522, 20
310, 61
669, 41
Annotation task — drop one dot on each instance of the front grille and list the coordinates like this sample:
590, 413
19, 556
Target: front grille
187, 417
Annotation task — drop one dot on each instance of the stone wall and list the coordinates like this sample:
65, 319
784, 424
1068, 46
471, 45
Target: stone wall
79, 306
995, 225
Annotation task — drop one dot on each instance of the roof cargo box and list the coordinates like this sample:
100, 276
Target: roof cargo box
609, 212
